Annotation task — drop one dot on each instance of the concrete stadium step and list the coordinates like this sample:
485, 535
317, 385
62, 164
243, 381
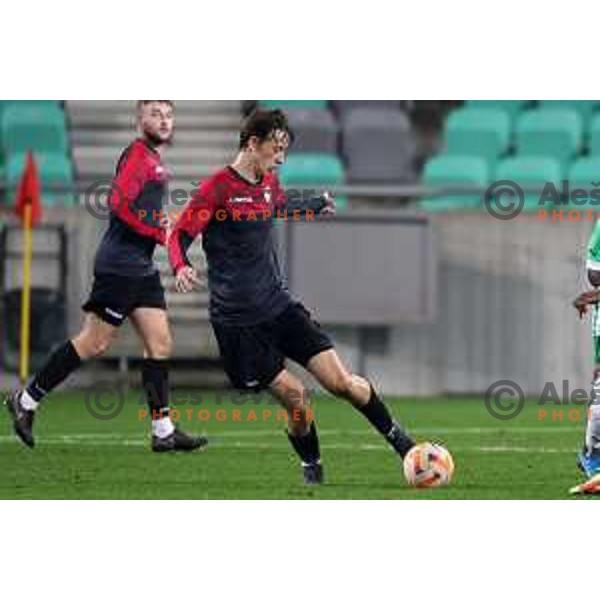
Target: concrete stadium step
189, 165
120, 138
120, 114
97, 107
176, 154
90, 170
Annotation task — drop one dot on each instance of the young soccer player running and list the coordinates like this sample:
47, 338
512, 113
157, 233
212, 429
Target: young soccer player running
256, 321
126, 285
589, 457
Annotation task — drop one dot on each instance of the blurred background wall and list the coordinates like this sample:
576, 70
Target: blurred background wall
502, 290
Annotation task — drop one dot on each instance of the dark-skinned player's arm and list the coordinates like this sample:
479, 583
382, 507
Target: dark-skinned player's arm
131, 186
192, 222
590, 297
315, 205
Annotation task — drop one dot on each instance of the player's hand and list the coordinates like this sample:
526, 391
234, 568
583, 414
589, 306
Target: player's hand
165, 222
186, 280
584, 300
329, 208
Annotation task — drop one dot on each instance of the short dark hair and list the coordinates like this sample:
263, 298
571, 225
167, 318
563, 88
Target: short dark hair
142, 103
262, 124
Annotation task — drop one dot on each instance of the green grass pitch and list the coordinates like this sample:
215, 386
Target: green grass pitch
78, 456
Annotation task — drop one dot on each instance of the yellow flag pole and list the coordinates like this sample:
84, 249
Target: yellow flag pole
26, 296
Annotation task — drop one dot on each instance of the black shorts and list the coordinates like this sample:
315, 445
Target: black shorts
254, 355
115, 297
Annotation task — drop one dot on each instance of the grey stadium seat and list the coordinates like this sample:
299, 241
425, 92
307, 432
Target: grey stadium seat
316, 130
378, 145
342, 107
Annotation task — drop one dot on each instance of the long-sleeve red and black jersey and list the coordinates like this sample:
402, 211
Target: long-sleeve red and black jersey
236, 218
136, 201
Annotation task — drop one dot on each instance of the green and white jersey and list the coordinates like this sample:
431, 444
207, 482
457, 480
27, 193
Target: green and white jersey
593, 251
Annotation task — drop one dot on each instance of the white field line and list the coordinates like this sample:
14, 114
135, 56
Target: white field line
113, 440
244, 433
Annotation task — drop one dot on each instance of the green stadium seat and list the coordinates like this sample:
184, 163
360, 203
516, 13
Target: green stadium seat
294, 103
511, 107
594, 136
478, 132
585, 108
53, 170
531, 172
552, 133
303, 170
39, 127
584, 172
448, 170
44, 104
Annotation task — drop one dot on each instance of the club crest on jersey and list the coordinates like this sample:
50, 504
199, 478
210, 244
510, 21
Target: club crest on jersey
268, 196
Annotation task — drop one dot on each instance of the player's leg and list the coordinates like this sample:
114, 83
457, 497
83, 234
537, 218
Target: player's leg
152, 325
330, 372
302, 339
302, 431
253, 363
589, 459
93, 340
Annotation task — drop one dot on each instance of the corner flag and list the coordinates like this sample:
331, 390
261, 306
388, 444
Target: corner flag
28, 208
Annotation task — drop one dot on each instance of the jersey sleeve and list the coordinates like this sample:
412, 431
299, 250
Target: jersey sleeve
192, 222
130, 184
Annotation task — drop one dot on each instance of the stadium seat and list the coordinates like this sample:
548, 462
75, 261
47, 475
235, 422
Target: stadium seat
448, 170
378, 145
344, 106
532, 173
594, 136
478, 132
303, 170
315, 129
286, 104
40, 128
582, 175
554, 133
4, 104
585, 108
53, 169
510, 107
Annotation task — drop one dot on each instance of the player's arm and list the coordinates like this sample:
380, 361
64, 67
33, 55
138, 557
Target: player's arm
591, 297
130, 186
192, 222
584, 300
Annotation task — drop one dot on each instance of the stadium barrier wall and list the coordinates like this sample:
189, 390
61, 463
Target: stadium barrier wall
503, 308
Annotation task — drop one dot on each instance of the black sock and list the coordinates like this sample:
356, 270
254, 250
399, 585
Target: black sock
155, 381
379, 416
307, 446
62, 362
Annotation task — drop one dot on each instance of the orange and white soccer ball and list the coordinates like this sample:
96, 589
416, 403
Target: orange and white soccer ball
428, 465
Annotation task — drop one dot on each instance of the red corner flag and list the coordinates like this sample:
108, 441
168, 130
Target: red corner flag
29, 193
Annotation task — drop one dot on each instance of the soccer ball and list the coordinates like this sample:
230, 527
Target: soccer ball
428, 465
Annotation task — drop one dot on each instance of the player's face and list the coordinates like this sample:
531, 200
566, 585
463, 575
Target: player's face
271, 153
157, 122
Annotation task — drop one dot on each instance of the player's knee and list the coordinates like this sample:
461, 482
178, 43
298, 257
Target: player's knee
340, 385
161, 348
94, 346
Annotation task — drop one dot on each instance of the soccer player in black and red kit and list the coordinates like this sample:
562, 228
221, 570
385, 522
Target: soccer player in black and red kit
126, 286
256, 321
